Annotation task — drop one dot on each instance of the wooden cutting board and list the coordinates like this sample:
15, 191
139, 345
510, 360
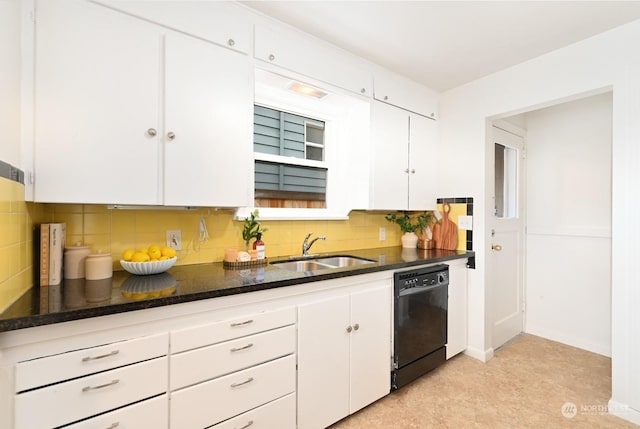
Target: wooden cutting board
448, 231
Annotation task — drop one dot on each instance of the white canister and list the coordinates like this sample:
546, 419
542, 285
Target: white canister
98, 266
74, 261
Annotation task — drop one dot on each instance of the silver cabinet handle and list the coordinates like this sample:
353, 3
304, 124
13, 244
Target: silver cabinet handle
102, 386
433, 115
237, 349
114, 425
349, 329
152, 132
171, 135
242, 383
386, 97
406, 170
356, 326
413, 171
231, 42
272, 57
250, 423
363, 90
246, 322
90, 358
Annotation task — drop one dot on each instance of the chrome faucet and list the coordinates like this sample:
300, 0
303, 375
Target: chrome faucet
306, 245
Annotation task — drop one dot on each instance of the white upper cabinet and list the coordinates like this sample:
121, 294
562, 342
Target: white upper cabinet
216, 21
128, 112
403, 171
302, 54
209, 110
394, 89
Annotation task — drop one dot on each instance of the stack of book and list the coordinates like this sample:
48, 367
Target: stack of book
52, 242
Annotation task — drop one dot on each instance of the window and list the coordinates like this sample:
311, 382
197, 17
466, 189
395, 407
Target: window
289, 158
506, 181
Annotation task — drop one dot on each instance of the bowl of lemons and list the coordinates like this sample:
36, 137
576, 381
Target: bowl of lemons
147, 261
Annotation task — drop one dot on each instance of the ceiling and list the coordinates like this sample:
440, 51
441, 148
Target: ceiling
444, 44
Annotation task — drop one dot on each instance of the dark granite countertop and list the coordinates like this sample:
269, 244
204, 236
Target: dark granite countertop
80, 299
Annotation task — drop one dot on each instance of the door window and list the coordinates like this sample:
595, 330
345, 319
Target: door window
506, 181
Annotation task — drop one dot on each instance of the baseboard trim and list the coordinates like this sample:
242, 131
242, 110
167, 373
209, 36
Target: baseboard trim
624, 411
481, 355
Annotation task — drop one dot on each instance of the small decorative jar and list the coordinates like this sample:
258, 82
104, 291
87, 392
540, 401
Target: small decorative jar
74, 261
99, 266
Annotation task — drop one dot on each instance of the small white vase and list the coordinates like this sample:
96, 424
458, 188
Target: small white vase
409, 240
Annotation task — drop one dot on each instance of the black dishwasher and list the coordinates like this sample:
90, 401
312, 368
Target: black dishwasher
420, 322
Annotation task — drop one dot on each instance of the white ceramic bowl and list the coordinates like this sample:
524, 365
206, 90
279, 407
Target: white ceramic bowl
146, 268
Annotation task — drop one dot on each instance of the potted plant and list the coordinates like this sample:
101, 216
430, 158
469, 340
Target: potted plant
409, 238
423, 230
252, 228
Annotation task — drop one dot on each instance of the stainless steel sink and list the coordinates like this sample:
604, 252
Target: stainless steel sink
322, 263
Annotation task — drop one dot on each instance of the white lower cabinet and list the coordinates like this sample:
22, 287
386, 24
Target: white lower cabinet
231, 368
344, 354
152, 413
278, 414
457, 308
213, 401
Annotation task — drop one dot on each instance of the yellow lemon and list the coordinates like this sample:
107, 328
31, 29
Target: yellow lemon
140, 257
154, 252
163, 258
168, 251
127, 254
143, 250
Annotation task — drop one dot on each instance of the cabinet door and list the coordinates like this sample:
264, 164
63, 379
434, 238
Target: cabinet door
208, 105
407, 94
323, 362
97, 86
296, 51
422, 163
457, 310
370, 346
390, 136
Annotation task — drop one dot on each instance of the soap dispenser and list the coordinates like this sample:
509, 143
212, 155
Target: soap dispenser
259, 246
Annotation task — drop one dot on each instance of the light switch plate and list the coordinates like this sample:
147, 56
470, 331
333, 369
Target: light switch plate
465, 222
383, 233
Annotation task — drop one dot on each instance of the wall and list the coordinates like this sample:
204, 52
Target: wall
568, 253
116, 230
10, 81
599, 64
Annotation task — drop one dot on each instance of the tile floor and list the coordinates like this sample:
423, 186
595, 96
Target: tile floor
525, 385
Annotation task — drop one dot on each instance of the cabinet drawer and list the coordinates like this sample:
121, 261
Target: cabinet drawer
152, 413
280, 414
52, 369
87, 396
224, 330
202, 364
211, 402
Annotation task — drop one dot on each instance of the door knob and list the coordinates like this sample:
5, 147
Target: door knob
349, 329
496, 247
171, 135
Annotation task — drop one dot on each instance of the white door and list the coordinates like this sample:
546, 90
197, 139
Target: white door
323, 362
97, 95
370, 345
423, 136
209, 108
505, 246
390, 137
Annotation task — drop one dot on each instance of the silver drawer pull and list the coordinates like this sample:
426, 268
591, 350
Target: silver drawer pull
237, 349
247, 425
114, 425
246, 322
102, 386
90, 358
248, 380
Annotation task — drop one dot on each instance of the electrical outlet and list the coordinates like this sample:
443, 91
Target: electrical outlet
174, 239
383, 233
465, 222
